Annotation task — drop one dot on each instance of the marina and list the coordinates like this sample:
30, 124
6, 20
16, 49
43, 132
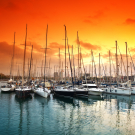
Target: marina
109, 114
67, 67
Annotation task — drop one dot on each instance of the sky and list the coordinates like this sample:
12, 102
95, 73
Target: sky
99, 23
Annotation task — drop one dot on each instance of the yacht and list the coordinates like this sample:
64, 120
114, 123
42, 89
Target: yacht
121, 89
66, 91
43, 92
93, 89
8, 88
23, 91
80, 91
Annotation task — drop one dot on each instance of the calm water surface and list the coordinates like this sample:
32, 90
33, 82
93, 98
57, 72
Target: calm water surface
111, 114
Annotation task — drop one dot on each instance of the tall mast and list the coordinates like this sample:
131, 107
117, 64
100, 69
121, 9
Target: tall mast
116, 64
42, 70
12, 61
92, 62
30, 61
80, 63
59, 64
62, 70
110, 64
127, 60
121, 69
45, 54
72, 61
54, 72
99, 70
131, 70
24, 58
65, 51
78, 53
70, 65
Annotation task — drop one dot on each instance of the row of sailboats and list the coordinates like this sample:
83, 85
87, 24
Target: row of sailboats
87, 87
10, 86
42, 90
80, 90
120, 88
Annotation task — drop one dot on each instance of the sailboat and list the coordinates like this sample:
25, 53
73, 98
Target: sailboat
122, 88
90, 85
10, 86
66, 91
23, 91
42, 90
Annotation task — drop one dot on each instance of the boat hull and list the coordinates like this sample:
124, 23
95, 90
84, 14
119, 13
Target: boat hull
42, 93
7, 89
96, 93
65, 93
20, 93
81, 93
118, 91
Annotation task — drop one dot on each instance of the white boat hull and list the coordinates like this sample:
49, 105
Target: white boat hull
97, 92
8, 89
118, 91
42, 93
133, 91
5, 89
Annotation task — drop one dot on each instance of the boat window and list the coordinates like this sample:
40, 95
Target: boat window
90, 86
115, 90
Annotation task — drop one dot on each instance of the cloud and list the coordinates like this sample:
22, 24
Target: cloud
56, 45
8, 5
91, 18
132, 50
89, 46
129, 21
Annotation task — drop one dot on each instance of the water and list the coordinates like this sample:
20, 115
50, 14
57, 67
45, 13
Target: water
111, 114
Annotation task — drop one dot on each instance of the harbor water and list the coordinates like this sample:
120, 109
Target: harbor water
110, 114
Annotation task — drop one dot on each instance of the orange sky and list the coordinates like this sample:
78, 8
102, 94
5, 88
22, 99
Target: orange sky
99, 24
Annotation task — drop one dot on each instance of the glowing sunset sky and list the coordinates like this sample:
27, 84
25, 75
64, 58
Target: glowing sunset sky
99, 24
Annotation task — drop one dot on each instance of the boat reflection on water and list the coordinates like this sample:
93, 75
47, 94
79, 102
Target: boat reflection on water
20, 100
41, 99
64, 99
95, 98
122, 102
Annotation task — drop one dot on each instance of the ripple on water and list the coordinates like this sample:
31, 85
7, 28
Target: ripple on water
92, 115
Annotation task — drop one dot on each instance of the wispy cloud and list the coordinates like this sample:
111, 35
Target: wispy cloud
129, 21
89, 46
91, 18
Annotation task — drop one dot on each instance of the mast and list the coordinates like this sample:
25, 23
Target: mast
121, 70
65, 52
78, 53
80, 63
42, 70
24, 58
110, 65
99, 70
131, 69
59, 64
12, 61
70, 66
62, 70
116, 64
127, 61
92, 62
72, 60
30, 61
45, 55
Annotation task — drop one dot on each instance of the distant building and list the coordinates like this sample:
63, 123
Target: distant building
61, 75
56, 77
